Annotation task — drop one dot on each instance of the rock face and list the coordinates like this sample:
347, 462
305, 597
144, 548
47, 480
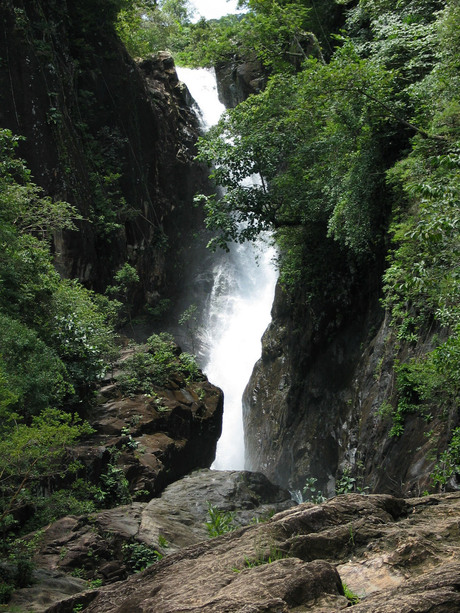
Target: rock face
154, 439
394, 554
181, 513
113, 137
313, 406
239, 79
110, 544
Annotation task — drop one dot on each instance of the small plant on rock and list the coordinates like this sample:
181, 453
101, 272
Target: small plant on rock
351, 596
219, 522
346, 483
311, 493
138, 556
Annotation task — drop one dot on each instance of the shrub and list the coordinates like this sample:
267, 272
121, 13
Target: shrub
144, 370
138, 556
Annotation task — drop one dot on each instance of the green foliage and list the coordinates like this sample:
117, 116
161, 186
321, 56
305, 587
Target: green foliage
6, 591
278, 33
351, 596
346, 483
32, 453
263, 558
144, 370
54, 334
314, 139
343, 149
125, 281
62, 502
220, 522
138, 556
448, 464
147, 27
114, 486
422, 280
311, 493
34, 376
19, 566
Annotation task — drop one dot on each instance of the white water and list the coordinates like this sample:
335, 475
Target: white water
238, 309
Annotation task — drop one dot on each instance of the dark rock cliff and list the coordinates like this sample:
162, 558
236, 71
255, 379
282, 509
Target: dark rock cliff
314, 407
111, 136
238, 79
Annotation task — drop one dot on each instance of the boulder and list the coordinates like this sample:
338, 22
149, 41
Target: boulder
155, 439
111, 544
180, 515
394, 554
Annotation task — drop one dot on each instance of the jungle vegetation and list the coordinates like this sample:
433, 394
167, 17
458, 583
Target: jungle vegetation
355, 140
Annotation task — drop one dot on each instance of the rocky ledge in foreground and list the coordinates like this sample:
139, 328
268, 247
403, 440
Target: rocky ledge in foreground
396, 555
109, 545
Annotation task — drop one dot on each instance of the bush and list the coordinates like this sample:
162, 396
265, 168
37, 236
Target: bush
33, 372
144, 370
6, 591
138, 556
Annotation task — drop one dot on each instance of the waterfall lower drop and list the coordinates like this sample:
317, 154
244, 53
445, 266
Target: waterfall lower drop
238, 309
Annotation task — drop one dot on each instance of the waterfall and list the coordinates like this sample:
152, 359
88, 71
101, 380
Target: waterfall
238, 307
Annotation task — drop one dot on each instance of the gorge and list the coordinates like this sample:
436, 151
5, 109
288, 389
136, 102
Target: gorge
353, 403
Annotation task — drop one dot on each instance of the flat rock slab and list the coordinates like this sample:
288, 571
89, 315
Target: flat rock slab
408, 552
92, 546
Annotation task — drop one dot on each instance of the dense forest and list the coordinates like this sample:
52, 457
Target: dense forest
355, 139
355, 135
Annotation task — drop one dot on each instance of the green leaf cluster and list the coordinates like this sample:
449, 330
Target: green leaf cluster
139, 556
276, 32
316, 140
220, 522
145, 370
33, 452
54, 334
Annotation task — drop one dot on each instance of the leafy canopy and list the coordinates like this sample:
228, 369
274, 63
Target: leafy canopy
54, 334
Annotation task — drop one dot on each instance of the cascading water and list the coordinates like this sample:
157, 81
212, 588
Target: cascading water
238, 308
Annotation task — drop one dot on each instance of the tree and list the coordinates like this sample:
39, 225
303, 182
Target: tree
147, 27
314, 139
55, 333
33, 453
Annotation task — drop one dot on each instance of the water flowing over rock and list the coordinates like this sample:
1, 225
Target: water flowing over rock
396, 555
237, 307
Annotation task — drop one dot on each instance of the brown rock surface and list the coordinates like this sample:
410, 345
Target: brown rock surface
397, 555
94, 546
157, 438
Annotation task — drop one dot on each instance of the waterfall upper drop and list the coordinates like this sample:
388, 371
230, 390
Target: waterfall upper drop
238, 307
201, 83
